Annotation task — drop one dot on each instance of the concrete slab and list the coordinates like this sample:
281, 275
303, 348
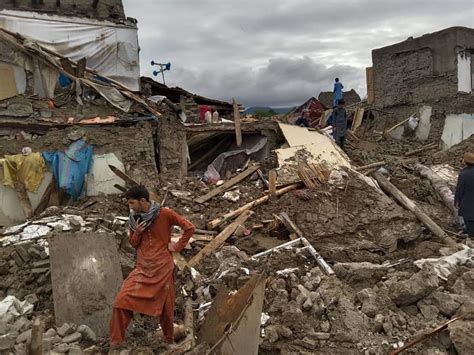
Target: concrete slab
86, 276
457, 128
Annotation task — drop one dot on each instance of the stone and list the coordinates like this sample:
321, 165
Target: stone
7, 341
18, 260
284, 331
321, 336
308, 304
362, 271
21, 324
325, 326
23, 254
91, 350
87, 333
65, 330
62, 348
35, 253
415, 288
41, 270
368, 298
309, 343
51, 332
279, 301
4, 267
461, 333
465, 284
387, 328
41, 263
32, 298
72, 338
24, 337
271, 334
446, 303
378, 323
75, 350
430, 312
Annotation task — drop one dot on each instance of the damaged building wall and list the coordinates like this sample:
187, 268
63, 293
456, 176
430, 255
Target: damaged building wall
419, 69
96, 9
133, 144
172, 147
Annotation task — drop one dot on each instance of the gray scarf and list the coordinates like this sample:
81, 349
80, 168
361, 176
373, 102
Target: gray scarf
148, 217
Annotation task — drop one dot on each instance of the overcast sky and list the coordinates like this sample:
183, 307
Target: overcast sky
275, 52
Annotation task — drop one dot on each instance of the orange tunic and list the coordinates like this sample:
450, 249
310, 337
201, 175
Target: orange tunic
149, 284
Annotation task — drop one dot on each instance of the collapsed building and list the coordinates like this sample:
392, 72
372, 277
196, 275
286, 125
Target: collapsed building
297, 248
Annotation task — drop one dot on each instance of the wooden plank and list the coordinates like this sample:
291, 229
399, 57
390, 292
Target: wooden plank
358, 116
272, 182
218, 221
411, 206
228, 184
238, 130
220, 239
290, 225
370, 166
86, 276
260, 174
422, 149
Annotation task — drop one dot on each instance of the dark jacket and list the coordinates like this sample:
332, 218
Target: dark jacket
339, 122
464, 197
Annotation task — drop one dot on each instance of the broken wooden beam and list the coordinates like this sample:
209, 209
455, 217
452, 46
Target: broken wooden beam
290, 225
272, 182
220, 239
204, 231
228, 184
427, 335
238, 130
218, 221
406, 202
422, 149
370, 166
265, 181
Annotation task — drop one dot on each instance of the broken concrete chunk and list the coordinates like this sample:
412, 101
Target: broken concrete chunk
75, 350
321, 336
445, 302
271, 334
87, 333
360, 271
61, 348
309, 343
378, 323
51, 332
72, 338
65, 330
465, 284
415, 288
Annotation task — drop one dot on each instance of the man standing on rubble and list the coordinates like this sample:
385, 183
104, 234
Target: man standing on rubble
337, 92
150, 287
464, 197
339, 124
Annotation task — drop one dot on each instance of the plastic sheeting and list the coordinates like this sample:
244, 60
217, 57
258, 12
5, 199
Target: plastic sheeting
111, 49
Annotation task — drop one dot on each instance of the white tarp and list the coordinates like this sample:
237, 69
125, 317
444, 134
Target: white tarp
111, 49
457, 128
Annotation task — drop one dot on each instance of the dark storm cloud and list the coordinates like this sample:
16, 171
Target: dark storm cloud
273, 52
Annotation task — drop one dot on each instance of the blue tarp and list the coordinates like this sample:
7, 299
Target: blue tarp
70, 167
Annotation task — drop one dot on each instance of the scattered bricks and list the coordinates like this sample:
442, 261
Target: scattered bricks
41, 264
309, 343
43, 279
40, 270
18, 260
24, 337
23, 254
72, 338
65, 330
87, 333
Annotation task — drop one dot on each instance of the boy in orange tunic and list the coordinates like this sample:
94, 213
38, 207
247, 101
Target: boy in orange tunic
150, 287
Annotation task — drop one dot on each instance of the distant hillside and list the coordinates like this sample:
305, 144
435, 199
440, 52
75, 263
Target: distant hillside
277, 110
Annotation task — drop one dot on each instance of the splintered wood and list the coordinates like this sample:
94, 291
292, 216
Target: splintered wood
313, 175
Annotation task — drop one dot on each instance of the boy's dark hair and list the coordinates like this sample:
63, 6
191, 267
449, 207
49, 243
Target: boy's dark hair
137, 192
337, 79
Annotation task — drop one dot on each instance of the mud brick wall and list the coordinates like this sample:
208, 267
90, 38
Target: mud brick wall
420, 69
104, 9
172, 147
133, 144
